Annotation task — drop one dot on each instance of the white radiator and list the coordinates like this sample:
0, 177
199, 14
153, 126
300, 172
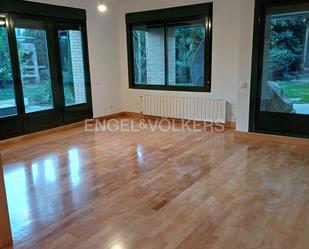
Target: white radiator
199, 109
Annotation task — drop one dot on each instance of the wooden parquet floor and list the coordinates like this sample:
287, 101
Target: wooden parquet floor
143, 190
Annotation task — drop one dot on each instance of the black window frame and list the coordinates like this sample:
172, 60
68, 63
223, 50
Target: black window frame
286, 124
165, 17
56, 17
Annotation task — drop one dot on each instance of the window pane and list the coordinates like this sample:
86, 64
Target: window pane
72, 62
149, 55
7, 93
186, 53
34, 67
285, 80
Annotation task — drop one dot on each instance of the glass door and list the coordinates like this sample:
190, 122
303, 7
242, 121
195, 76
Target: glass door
44, 74
74, 67
7, 92
282, 104
37, 72
11, 124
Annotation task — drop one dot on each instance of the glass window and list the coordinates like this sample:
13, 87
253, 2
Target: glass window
31, 86
186, 53
181, 59
173, 53
72, 63
285, 80
34, 69
7, 93
149, 55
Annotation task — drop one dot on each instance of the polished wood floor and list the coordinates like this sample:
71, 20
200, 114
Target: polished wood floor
135, 190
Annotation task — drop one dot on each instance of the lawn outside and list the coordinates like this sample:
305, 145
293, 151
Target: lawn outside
35, 93
297, 91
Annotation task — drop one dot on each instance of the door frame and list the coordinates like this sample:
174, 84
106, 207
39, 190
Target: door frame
44, 119
282, 122
73, 113
21, 124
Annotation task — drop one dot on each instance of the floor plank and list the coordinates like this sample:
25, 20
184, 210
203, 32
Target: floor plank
153, 189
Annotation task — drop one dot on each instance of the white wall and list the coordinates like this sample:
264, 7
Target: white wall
231, 66
103, 53
229, 29
245, 59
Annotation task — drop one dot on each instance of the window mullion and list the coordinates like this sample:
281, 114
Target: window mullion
165, 54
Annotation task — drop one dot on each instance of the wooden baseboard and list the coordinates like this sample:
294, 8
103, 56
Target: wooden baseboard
111, 116
136, 115
231, 125
133, 115
271, 138
13, 141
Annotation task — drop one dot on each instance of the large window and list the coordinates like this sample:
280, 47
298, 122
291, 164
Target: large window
170, 54
285, 86
7, 92
34, 67
72, 63
44, 67
280, 68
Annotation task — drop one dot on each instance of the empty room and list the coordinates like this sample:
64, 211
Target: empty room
154, 124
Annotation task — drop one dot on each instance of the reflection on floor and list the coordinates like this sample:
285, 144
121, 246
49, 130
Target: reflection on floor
157, 190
